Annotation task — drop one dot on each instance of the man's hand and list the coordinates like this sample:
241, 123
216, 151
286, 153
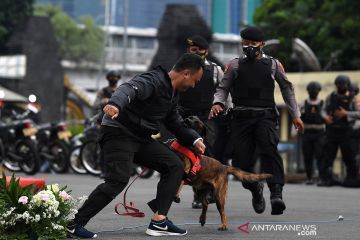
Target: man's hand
299, 125
111, 110
328, 119
340, 113
199, 147
215, 110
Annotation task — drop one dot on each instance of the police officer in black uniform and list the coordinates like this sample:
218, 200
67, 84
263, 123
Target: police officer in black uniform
338, 132
314, 133
251, 81
105, 93
198, 100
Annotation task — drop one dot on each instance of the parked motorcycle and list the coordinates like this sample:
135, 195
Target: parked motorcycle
18, 149
52, 145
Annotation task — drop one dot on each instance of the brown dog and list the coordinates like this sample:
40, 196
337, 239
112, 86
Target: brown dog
212, 178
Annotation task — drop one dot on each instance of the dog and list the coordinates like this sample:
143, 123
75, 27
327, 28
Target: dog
212, 178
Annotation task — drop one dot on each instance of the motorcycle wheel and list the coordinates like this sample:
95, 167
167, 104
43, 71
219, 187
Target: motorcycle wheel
75, 161
90, 157
7, 162
31, 159
60, 151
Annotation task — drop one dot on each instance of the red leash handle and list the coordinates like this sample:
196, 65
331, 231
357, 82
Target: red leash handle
130, 210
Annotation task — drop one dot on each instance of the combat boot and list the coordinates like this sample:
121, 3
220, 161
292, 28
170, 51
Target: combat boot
277, 203
258, 200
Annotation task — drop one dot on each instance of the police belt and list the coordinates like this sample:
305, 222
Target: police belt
251, 113
314, 126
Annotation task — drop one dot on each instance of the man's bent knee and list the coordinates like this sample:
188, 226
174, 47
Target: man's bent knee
112, 188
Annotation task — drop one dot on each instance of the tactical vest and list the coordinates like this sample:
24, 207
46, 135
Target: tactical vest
337, 101
202, 95
312, 113
254, 85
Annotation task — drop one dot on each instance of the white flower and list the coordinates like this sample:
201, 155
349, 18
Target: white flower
23, 200
37, 217
54, 187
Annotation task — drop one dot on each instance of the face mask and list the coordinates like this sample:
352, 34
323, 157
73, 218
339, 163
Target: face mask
342, 89
113, 82
313, 95
201, 54
251, 52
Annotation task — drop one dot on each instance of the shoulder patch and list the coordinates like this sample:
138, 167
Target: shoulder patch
227, 67
281, 67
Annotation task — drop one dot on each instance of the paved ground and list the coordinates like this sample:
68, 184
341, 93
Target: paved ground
311, 210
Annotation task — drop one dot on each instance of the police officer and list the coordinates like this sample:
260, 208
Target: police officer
132, 115
250, 79
198, 100
355, 135
338, 132
105, 93
314, 133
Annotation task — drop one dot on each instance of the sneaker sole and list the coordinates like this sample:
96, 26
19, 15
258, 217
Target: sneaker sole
163, 233
71, 235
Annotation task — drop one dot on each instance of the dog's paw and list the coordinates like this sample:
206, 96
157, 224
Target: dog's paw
222, 227
202, 220
177, 199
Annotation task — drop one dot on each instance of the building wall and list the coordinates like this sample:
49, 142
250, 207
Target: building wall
224, 16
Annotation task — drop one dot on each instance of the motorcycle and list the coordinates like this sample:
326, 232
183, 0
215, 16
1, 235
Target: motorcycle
53, 145
90, 153
18, 149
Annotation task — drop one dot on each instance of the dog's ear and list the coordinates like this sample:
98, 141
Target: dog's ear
188, 122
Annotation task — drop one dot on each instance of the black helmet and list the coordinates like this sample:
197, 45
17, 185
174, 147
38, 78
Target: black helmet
113, 73
354, 88
313, 86
342, 80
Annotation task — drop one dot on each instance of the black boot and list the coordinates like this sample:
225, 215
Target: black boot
196, 204
277, 204
258, 200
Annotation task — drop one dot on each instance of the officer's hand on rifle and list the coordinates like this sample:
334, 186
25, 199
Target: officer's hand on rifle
340, 113
328, 119
299, 125
111, 110
215, 110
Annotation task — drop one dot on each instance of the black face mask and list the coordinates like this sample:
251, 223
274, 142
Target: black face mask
112, 82
342, 89
313, 95
251, 52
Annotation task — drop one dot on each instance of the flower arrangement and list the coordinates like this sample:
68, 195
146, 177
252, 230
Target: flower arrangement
25, 213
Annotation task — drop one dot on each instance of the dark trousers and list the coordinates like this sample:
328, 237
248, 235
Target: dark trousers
335, 138
257, 133
222, 144
312, 147
120, 148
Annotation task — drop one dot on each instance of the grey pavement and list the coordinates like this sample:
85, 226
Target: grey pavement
311, 211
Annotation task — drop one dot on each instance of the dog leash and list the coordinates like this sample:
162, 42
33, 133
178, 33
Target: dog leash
130, 210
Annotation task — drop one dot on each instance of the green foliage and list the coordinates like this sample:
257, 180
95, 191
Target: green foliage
77, 44
326, 26
12, 12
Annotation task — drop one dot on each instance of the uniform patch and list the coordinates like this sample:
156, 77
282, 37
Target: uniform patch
281, 67
227, 68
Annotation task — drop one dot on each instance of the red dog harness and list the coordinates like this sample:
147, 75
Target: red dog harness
195, 160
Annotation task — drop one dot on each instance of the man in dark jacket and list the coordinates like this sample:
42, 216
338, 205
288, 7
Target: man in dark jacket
132, 115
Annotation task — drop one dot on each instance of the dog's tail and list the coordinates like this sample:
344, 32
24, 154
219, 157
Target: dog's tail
246, 176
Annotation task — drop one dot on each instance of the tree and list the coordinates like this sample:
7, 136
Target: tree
78, 43
328, 27
12, 12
